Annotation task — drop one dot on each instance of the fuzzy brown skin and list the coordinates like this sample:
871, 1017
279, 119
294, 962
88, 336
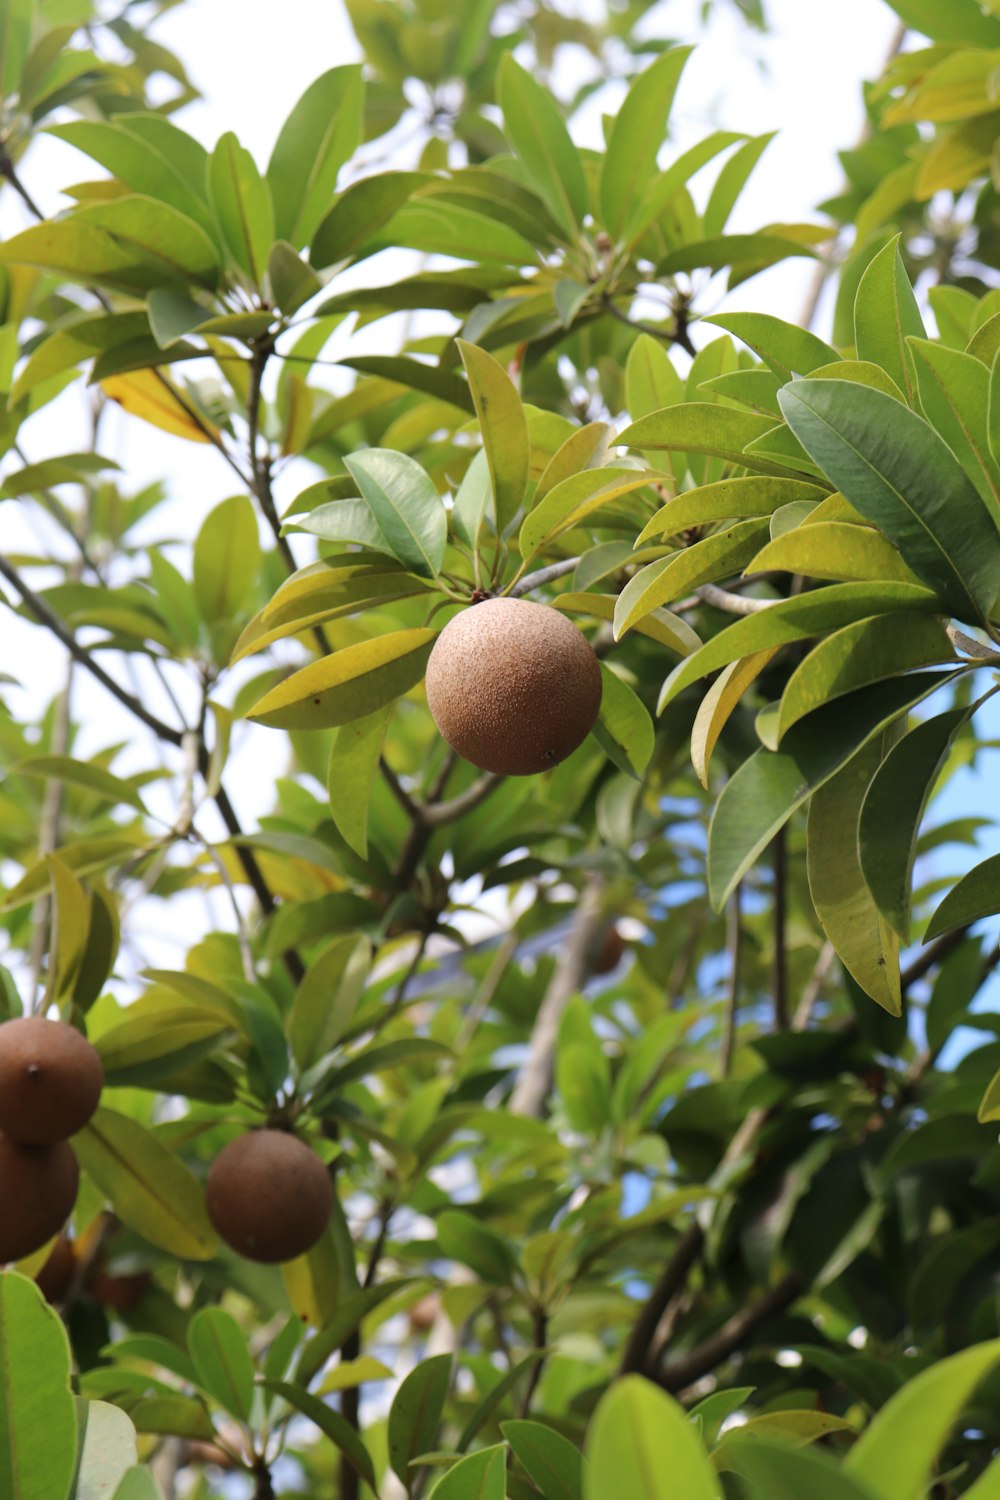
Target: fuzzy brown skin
38, 1186
50, 1080
610, 952
269, 1196
513, 686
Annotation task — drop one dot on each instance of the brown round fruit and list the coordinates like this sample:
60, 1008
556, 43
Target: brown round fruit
56, 1275
513, 686
269, 1196
37, 1191
610, 952
50, 1080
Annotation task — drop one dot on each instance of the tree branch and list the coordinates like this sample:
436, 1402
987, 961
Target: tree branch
672, 1279
733, 1333
535, 1081
543, 576
730, 603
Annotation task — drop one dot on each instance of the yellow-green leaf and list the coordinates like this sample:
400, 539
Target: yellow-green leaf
349, 685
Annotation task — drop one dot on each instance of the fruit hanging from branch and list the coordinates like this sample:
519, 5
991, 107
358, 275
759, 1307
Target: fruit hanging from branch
513, 686
269, 1196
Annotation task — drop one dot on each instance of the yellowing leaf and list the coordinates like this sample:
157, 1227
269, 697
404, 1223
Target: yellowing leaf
156, 400
719, 703
348, 685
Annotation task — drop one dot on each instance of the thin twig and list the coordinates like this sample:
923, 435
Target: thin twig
732, 604
543, 576
733, 1333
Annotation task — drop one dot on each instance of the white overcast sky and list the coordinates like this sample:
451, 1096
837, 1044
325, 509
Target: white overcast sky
803, 80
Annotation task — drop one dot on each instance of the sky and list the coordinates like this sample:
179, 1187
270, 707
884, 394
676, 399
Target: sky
801, 80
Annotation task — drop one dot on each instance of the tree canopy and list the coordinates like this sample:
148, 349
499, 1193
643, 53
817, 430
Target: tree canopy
639, 1115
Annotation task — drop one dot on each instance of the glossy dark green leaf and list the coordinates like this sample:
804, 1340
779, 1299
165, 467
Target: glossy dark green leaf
897, 472
894, 808
415, 1415
322, 131
976, 895
769, 787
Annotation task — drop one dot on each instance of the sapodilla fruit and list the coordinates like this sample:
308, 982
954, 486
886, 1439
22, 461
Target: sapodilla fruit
609, 953
50, 1080
513, 686
269, 1196
38, 1186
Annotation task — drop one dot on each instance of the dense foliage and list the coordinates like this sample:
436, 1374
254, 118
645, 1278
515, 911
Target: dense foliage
652, 1173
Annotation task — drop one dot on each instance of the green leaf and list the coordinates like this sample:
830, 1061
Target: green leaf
867, 651
146, 1050
976, 895
640, 1442
15, 42
834, 550
81, 773
865, 944
242, 202
137, 1484
147, 1185
351, 684
894, 809
472, 501
954, 392
624, 729
226, 560
292, 281
585, 448
573, 500
716, 556
728, 499
465, 1239
353, 766
415, 1415
480, 1476
333, 1335
408, 509
989, 1107
222, 1363
778, 1472
667, 185
660, 625
121, 244
897, 473
886, 314
786, 349
704, 427
504, 428
330, 1423
539, 136
549, 1459
814, 613
433, 380
765, 791
108, 1449
327, 998
496, 1396
731, 182
896, 1453
321, 133
68, 469
38, 1424
360, 211
748, 253
636, 137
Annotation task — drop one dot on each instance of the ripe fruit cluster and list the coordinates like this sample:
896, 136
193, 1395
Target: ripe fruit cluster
50, 1084
513, 686
269, 1196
